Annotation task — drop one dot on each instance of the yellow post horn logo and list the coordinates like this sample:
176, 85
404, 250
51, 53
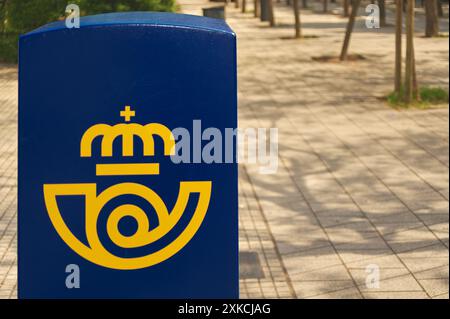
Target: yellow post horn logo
95, 251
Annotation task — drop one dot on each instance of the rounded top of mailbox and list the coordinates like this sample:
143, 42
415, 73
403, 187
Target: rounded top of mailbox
163, 19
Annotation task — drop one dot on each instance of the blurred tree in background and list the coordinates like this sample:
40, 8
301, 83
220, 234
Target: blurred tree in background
432, 18
25, 15
21, 16
89, 7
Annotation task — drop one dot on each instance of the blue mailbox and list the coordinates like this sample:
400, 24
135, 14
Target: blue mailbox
126, 187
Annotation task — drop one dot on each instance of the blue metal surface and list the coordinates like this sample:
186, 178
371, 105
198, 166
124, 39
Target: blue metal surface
171, 69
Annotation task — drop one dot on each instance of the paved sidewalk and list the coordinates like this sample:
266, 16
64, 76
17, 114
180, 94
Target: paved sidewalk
8, 182
358, 184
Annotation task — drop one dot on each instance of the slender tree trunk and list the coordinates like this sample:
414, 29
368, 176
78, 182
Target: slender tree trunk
244, 6
348, 32
398, 45
256, 7
345, 4
382, 5
271, 13
298, 27
440, 9
409, 66
431, 19
236, 3
415, 85
304, 4
325, 5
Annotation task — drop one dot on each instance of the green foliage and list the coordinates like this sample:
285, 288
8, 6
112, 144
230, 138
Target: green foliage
2, 15
89, 7
427, 96
8, 47
25, 15
21, 16
433, 95
395, 98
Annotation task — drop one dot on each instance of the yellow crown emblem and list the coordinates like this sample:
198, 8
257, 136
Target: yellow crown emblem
128, 132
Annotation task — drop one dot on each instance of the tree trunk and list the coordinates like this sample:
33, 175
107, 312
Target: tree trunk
382, 5
325, 5
298, 27
256, 7
305, 4
271, 13
409, 66
345, 5
398, 45
431, 21
415, 85
244, 6
236, 3
348, 32
440, 9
